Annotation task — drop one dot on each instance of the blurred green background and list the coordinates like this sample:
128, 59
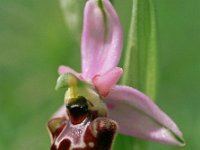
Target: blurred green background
34, 41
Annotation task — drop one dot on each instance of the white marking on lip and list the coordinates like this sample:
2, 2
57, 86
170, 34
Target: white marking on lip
79, 129
91, 144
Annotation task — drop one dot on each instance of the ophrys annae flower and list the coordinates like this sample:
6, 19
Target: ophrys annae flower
95, 89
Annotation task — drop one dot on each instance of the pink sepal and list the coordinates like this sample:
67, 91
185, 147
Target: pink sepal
101, 39
138, 116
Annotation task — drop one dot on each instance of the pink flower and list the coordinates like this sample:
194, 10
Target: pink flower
102, 42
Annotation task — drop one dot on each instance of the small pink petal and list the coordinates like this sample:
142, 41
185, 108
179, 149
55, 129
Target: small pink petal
105, 82
101, 39
138, 116
64, 69
61, 112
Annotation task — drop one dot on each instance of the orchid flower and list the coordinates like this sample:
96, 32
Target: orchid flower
136, 114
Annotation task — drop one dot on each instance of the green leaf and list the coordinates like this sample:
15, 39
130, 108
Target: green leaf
140, 63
